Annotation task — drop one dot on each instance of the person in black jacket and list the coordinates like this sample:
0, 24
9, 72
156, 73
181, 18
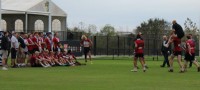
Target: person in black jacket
5, 47
165, 51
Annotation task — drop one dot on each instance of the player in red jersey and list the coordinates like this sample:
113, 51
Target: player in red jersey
139, 53
190, 53
37, 60
176, 52
30, 44
41, 41
35, 40
56, 41
87, 44
48, 42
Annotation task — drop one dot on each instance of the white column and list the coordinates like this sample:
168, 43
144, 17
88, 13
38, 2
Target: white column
26, 22
50, 17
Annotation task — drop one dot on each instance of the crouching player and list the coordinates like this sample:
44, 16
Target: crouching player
73, 59
190, 53
36, 60
139, 53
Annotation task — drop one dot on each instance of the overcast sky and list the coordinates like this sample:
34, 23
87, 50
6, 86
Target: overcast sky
128, 14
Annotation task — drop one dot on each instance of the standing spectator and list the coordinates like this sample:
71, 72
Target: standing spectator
165, 51
56, 41
9, 39
87, 44
21, 54
5, 47
26, 49
14, 48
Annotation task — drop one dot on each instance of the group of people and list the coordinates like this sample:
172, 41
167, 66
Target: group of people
175, 38
188, 47
34, 49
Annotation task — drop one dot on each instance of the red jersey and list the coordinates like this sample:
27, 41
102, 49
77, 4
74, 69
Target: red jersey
48, 43
140, 46
86, 43
56, 41
41, 40
177, 44
35, 40
30, 47
190, 43
46, 56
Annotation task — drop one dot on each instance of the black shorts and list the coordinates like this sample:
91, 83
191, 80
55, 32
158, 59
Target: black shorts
176, 53
86, 50
13, 53
139, 55
188, 57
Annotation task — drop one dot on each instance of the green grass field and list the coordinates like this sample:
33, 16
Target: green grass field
102, 75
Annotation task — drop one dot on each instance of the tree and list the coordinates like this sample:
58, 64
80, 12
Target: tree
92, 29
108, 30
154, 27
190, 27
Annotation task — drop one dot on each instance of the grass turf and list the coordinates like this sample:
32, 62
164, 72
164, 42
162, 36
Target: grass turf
102, 75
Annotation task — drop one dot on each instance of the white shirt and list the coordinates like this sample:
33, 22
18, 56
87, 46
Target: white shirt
14, 42
26, 48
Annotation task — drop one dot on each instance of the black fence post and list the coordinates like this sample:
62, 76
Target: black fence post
113, 54
118, 45
107, 46
157, 54
124, 46
95, 45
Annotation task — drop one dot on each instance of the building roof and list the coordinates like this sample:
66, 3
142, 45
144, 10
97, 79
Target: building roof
31, 7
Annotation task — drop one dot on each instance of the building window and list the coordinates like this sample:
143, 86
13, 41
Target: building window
56, 25
3, 25
39, 25
19, 25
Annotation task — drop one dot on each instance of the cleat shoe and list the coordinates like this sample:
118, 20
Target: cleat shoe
134, 70
144, 70
4, 68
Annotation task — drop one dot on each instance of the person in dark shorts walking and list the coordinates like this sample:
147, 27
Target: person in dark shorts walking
87, 44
